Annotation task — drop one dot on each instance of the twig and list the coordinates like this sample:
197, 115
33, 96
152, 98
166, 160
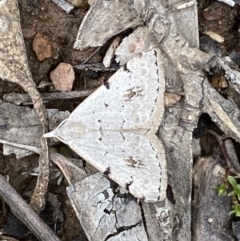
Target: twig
230, 149
26, 147
227, 151
38, 198
91, 55
96, 67
25, 99
22, 210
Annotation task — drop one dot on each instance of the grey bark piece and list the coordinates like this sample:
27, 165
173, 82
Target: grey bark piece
21, 125
236, 229
134, 44
105, 213
101, 213
67, 7
186, 19
125, 17
132, 14
210, 212
160, 221
224, 112
177, 142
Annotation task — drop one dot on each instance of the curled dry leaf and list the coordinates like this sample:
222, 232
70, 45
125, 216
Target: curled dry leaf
171, 98
63, 77
42, 47
219, 82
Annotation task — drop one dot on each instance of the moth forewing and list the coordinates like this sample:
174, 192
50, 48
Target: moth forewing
116, 128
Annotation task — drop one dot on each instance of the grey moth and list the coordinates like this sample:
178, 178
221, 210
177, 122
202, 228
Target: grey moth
115, 128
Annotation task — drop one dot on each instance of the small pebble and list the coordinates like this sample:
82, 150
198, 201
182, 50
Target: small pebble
63, 77
42, 47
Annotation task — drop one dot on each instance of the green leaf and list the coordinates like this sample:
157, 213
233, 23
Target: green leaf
232, 193
232, 181
221, 189
236, 210
232, 212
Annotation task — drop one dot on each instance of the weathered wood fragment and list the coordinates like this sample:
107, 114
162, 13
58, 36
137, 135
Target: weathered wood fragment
105, 211
66, 6
20, 125
24, 99
127, 17
210, 216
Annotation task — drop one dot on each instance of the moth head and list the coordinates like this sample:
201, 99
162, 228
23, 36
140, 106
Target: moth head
67, 131
54, 134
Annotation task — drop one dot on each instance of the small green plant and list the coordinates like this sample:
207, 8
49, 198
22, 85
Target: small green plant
235, 186
222, 190
236, 210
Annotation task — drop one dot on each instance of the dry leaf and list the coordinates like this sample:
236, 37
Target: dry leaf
171, 98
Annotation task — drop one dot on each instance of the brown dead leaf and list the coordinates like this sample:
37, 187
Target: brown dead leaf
171, 98
42, 47
219, 82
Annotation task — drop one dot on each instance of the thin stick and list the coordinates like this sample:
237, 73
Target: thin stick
25, 147
22, 210
92, 54
225, 152
25, 99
